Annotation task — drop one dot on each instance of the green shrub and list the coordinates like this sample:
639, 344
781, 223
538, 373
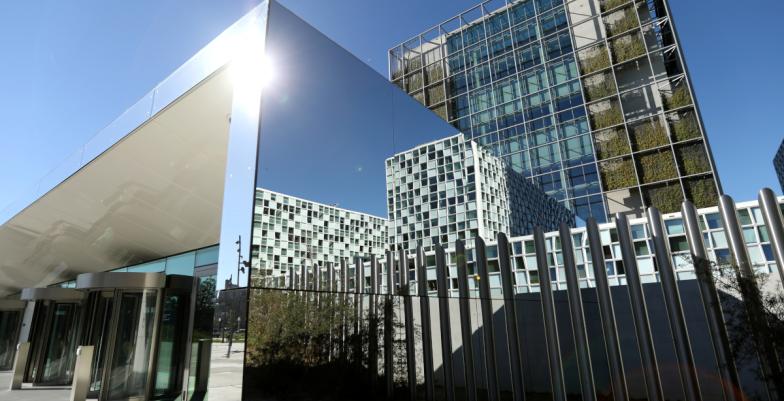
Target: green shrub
434, 73
601, 89
617, 174
692, 159
702, 192
685, 126
611, 143
623, 24
656, 166
627, 47
597, 60
666, 198
435, 94
679, 97
413, 64
610, 4
649, 134
414, 82
606, 118
440, 111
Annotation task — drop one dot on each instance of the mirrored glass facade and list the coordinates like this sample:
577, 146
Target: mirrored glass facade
589, 99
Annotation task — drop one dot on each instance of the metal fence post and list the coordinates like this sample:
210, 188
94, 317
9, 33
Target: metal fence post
488, 331
642, 325
578, 315
548, 311
389, 364
465, 320
20, 365
408, 312
674, 307
771, 213
444, 318
82, 369
510, 311
607, 313
711, 304
427, 334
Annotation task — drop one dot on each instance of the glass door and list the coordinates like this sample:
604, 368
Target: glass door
97, 335
172, 342
60, 355
9, 332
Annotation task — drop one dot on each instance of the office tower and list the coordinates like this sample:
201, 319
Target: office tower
589, 99
453, 189
778, 164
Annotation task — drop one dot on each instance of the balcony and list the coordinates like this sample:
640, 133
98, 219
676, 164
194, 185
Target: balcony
627, 47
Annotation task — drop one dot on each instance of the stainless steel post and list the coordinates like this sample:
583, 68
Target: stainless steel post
607, 313
373, 325
330, 277
446, 326
20, 365
465, 320
488, 330
711, 304
771, 213
408, 312
303, 280
82, 369
550, 325
674, 307
642, 325
578, 315
389, 363
750, 292
510, 311
427, 334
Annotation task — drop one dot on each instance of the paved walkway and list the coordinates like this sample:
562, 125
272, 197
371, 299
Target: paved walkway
31, 393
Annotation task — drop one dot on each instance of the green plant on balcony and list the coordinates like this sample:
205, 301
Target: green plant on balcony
397, 74
414, 82
684, 126
624, 23
599, 87
679, 97
413, 64
693, 159
610, 4
594, 59
617, 174
440, 111
667, 199
434, 73
701, 192
649, 134
606, 118
435, 94
627, 47
611, 143
654, 167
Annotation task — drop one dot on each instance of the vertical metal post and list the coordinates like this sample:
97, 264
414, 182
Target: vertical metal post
577, 315
391, 273
343, 275
672, 302
359, 289
427, 335
303, 278
642, 325
510, 310
408, 315
82, 369
488, 331
446, 326
389, 365
373, 325
607, 313
292, 283
330, 277
550, 325
316, 277
465, 320
752, 299
712, 305
20, 365
771, 213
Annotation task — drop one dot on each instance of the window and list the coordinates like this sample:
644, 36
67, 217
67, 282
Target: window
553, 21
558, 45
522, 11
525, 33
529, 57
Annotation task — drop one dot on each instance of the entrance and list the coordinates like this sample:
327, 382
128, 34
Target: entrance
10, 323
53, 335
140, 327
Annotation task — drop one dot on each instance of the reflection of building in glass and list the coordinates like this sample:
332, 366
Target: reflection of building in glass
290, 232
590, 99
454, 189
778, 164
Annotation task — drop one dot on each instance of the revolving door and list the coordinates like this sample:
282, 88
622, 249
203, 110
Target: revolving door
140, 326
10, 322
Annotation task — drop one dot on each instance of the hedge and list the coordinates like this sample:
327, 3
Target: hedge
611, 143
623, 24
598, 60
602, 89
610, 4
692, 159
678, 98
701, 192
667, 199
656, 166
649, 134
627, 47
685, 126
606, 118
435, 94
434, 73
617, 174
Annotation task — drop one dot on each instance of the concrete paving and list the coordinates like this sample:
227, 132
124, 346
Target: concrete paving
29, 393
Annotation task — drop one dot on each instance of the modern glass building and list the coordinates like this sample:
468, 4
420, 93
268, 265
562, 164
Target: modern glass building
150, 265
590, 99
778, 164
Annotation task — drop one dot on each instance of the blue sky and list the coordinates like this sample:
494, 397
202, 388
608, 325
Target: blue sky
69, 68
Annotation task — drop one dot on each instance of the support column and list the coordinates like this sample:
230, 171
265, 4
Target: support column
642, 325
712, 305
488, 331
465, 320
607, 313
446, 326
771, 213
510, 311
672, 302
752, 298
389, 363
373, 325
577, 315
548, 310
427, 334
408, 312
